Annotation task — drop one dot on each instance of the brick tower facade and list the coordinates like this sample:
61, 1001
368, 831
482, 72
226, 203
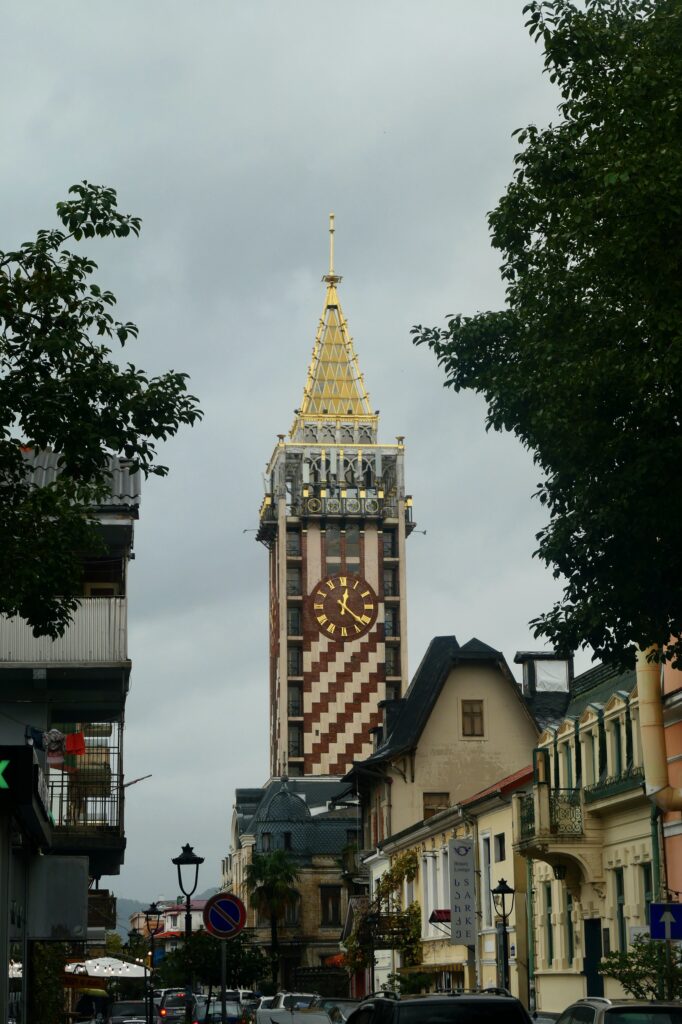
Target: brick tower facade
335, 518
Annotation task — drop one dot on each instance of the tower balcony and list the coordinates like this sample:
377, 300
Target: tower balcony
97, 634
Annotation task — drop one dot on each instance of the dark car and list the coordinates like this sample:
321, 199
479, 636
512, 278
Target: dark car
454, 1009
173, 1006
599, 1010
128, 1009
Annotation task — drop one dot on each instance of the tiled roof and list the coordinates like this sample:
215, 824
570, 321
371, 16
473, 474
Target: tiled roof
597, 685
548, 707
505, 785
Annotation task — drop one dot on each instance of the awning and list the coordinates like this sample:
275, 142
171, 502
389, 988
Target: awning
440, 917
107, 967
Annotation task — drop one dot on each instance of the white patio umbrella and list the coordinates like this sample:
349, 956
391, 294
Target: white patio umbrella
107, 967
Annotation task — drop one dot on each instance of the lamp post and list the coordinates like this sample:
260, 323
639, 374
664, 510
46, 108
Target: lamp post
154, 923
186, 861
501, 893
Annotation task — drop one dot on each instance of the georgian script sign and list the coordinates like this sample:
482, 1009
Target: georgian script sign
462, 892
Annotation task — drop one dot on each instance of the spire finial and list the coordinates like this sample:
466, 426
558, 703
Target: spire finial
332, 277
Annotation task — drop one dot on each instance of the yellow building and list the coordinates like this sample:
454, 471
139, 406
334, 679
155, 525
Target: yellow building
591, 838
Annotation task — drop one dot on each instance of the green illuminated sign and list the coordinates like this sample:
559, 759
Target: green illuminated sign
4, 784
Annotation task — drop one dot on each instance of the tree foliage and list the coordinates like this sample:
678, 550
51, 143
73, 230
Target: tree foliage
271, 879
61, 390
385, 913
648, 970
200, 959
584, 362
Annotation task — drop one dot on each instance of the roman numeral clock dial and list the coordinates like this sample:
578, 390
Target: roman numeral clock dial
344, 607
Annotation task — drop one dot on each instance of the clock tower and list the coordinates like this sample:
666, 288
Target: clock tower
334, 518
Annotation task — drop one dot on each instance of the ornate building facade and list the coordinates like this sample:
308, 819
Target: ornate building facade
334, 518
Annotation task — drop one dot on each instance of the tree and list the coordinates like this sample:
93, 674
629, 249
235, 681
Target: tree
200, 959
270, 881
649, 970
584, 363
60, 390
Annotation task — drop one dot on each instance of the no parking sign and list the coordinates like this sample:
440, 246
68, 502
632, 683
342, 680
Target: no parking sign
224, 915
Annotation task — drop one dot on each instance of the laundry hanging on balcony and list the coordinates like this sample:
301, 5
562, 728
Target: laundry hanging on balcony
61, 748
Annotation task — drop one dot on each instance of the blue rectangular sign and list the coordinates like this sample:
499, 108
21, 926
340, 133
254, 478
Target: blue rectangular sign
666, 920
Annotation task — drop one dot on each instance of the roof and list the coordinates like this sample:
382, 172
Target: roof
442, 655
124, 492
548, 707
335, 388
282, 805
597, 685
506, 785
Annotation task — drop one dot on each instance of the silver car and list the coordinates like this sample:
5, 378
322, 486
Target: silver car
599, 1010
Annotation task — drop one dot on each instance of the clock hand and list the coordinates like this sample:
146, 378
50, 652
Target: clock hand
343, 605
356, 617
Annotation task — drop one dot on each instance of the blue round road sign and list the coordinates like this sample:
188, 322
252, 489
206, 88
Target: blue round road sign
224, 915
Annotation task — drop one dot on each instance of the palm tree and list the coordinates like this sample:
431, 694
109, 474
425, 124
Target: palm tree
270, 880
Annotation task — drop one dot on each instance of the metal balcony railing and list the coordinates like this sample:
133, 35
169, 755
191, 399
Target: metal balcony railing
565, 812
630, 778
86, 793
97, 634
527, 810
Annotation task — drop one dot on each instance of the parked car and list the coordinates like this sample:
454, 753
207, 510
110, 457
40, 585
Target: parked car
451, 1009
600, 1010
128, 1009
339, 1010
214, 1013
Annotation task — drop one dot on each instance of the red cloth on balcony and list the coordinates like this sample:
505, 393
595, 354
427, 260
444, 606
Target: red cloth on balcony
75, 743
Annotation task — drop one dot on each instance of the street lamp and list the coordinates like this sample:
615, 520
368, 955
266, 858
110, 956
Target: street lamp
154, 923
188, 860
501, 893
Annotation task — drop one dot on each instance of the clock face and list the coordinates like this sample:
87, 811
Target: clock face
344, 607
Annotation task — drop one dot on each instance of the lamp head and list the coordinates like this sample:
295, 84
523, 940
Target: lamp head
187, 860
152, 916
501, 893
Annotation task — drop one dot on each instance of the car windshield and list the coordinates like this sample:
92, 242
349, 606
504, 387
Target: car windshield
295, 1002
459, 1011
175, 1001
644, 1015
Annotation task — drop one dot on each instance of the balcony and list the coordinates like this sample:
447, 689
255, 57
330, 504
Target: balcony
629, 781
97, 635
550, 825
86, 798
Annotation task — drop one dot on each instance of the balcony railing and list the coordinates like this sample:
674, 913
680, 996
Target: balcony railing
629, 779
97, 634
565, 812
527, 815
86, 794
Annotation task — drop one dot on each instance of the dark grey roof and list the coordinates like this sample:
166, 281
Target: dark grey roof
442, 655
548, 707
124, 489
276, 811
597, 686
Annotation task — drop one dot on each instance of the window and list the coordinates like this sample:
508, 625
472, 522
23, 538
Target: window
390, 544
549, 927
500, 847
393, 661
620, 910
332, 546
617, 749
570, 936
294, 621
295, 661
472, 718
647, 891
486, 882
295, 739
392, 622
390, 582
286, 840
174, 921
295, 700
295, 771
266, 841
330, 898
294, 580
568, 765
294, 543
292, 911
434, 802
352, 543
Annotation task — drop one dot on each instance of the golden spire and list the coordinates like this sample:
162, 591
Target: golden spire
335, 388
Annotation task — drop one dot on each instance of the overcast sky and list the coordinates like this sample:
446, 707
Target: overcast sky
232, 129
